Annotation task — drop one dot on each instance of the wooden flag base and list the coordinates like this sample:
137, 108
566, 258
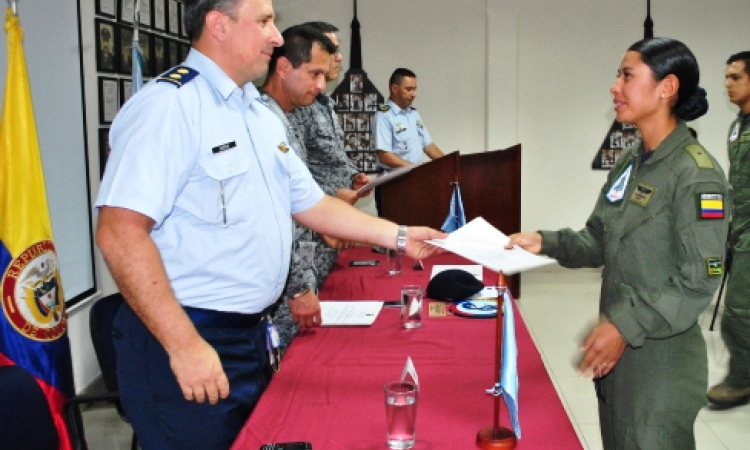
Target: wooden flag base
496, 438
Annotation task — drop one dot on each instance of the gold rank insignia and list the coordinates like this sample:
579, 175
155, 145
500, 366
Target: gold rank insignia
178, 75
714, 267
283, 147
385, 108
642, 194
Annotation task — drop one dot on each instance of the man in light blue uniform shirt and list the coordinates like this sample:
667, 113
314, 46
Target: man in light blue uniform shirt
401, 138
195, 224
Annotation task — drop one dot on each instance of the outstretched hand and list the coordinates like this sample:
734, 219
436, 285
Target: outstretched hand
531, 242
415, 246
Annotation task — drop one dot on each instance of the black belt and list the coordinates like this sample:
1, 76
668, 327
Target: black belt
222, 319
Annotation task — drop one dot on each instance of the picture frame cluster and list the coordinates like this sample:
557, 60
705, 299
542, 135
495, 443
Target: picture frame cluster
163, 41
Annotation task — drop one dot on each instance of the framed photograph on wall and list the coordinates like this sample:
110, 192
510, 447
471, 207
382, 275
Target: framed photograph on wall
124, 36
183, 32
106, 50
106, 8
103, 150
145, 41
109, 101
159, 13
184, 50
127, 10
342, 103
173, 52
363, 122
355, 102
371, 102
126, 90
145, 13
173, 17
356, 82
161, 63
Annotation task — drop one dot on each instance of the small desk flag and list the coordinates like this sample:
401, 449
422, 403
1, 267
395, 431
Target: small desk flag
456, 218
508, 366
33, 323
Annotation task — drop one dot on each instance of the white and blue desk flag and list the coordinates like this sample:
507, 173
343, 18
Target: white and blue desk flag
456, 218
137, 72
508, 386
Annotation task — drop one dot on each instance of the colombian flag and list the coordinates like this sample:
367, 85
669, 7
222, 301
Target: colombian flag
711, 206
33, 322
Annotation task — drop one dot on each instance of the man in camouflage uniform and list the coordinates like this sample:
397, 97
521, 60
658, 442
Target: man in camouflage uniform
296, 75
320, 138
735, 324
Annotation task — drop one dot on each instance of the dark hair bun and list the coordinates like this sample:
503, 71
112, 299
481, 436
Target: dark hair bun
694, 106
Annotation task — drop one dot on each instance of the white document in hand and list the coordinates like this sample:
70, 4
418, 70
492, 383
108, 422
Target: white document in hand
377, 181
484, 244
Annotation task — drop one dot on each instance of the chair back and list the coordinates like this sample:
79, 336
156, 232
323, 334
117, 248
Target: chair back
101, 320
25, 418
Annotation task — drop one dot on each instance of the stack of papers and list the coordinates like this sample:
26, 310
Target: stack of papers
484, 244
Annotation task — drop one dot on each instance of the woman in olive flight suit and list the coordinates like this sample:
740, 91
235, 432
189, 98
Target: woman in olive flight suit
658, 228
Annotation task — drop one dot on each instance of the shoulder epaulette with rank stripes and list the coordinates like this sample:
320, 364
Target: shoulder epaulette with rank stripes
699, 154
179, 76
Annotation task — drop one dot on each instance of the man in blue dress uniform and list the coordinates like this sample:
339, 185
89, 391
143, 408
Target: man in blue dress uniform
195, 223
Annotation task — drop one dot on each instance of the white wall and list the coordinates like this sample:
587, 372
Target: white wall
496, 72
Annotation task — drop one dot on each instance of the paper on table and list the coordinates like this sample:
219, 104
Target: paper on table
484, 244
336, 313
377, 181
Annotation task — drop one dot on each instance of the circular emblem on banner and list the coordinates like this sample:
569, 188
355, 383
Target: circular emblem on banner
33, 300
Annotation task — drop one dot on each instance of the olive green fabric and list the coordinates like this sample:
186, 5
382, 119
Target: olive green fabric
735, 324
657, 251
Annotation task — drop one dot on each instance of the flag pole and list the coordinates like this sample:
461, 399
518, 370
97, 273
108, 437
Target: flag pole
13, 5
137, 58
497, 437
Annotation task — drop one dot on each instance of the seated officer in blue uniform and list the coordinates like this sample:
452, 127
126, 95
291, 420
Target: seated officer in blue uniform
195, 223
401, 137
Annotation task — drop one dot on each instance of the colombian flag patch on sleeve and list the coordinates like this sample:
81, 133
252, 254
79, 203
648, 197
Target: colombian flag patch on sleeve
711, 206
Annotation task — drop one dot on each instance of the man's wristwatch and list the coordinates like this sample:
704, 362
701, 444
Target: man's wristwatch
401, 240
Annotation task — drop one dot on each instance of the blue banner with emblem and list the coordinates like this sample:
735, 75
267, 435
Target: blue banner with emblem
33, 324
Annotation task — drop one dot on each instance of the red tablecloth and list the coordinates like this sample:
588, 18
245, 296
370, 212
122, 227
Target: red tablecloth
330, 387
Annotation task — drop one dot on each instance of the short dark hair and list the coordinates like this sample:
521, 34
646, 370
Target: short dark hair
399, 75
297, 48
741, 56
323, 27
194, 16
667, 56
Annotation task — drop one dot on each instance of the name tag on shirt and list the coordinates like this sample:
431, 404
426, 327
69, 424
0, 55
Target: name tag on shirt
223, 147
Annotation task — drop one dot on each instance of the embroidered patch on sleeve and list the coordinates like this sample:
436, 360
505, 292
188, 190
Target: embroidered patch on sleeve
714, 267
711, 206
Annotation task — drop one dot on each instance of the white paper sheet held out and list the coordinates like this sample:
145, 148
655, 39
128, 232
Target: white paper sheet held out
377, 181
484, 244
338, 313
